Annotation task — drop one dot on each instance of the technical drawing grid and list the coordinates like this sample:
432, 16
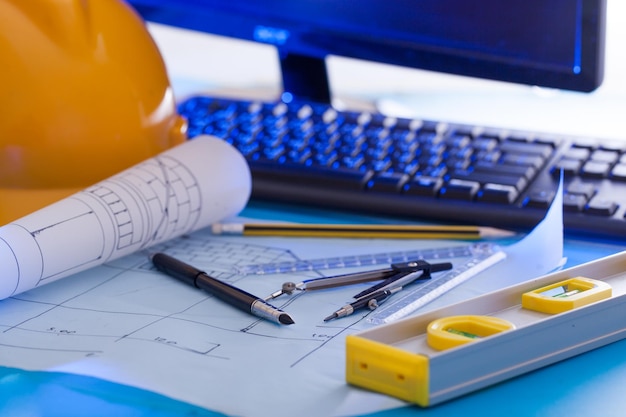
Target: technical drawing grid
140, 318
126, 322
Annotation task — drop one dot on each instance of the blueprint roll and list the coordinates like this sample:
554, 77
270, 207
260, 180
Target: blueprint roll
181, 190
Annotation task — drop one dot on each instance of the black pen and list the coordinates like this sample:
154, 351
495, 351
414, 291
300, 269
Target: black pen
370, 301
232, 295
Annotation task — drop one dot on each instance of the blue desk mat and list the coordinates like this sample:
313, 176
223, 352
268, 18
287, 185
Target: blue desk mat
589, 384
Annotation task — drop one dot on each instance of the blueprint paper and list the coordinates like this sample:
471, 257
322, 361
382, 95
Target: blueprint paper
178, 191
539, 252
542, 250
126, 322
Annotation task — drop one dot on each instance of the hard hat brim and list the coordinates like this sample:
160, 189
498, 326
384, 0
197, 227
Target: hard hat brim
17, 203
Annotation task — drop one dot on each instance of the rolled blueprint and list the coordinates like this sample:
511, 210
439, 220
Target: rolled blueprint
178, 191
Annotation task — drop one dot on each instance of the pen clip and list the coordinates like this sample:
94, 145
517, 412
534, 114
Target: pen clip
411, 266
406, 268
389, 281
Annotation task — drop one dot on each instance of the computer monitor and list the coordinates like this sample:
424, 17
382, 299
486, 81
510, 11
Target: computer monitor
549, 43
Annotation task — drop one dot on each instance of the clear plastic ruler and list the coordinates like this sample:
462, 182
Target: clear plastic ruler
417, 295
475, 252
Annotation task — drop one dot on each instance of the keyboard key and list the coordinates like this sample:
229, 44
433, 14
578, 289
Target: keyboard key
574, 202
594, 169
483, 177
460, 189
458, 163
585, 143
498, 193
299, 156
388, 182
424, 186
540, 199
459, 140
581, 188
551, 142
619, 172
534, 161
527, 172
602, 155
519, 139
601, 207
485, 143
613, 146
579, 154
569, 167
437, 171
536, 149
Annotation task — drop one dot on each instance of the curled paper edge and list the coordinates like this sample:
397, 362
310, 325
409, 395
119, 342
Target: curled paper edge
181, 190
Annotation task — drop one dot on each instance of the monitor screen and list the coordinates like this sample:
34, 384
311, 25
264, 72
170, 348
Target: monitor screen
550, 43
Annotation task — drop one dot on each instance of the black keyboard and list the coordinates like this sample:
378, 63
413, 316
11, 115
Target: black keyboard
312, 154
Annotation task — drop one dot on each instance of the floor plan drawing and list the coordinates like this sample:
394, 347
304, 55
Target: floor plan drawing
129, 323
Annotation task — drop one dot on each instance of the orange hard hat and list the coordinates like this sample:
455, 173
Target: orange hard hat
85, 95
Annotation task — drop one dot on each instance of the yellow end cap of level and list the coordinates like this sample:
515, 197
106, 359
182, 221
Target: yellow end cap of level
449, 332
566, 295
388, 370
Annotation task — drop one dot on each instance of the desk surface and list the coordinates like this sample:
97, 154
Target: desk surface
590, 384
585, 385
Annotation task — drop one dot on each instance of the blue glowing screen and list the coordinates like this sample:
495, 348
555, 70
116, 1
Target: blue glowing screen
556, 43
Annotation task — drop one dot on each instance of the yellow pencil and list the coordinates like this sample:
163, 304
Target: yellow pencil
360, 231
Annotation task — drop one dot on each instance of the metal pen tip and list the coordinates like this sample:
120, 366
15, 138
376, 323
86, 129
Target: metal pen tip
332, 316
285, 318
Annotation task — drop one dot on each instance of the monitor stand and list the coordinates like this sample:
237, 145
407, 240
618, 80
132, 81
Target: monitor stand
305, 78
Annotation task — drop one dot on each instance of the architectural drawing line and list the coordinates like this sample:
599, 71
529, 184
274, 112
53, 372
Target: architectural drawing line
168, 197
50, 349
50, 226
18, 325
326, 341
57, 305
17, 264
172, 316
160, 318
